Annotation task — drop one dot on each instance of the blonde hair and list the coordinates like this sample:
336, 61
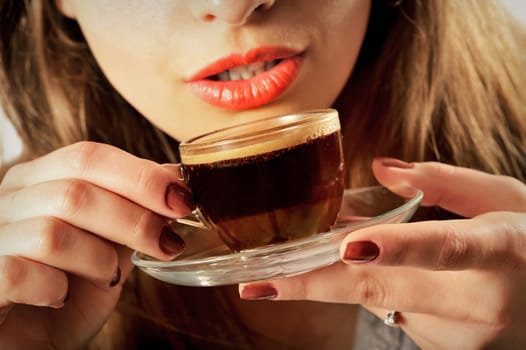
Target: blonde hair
449, 84
54, 92
435, 80
441, 80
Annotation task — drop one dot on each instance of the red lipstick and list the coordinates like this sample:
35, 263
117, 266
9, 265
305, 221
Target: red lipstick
260, 89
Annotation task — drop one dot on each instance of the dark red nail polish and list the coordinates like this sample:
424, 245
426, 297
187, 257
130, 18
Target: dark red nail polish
259, 292
397, 163
177, 195
117, 278
170, 243
363, 251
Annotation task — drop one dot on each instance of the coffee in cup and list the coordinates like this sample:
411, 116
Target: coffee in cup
268, 181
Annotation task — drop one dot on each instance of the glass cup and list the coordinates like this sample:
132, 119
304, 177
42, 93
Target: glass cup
267, 181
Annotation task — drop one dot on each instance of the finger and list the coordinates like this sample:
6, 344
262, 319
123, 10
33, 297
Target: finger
125, 262
142, 181
53, 242
404, 289
27, 282
95, 210
466, 192
4, 311
486, 242
428, 330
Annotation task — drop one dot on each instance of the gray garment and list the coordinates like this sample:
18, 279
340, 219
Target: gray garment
372, 334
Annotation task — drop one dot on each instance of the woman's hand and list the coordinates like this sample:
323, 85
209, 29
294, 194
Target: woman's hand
68, 223
459, 284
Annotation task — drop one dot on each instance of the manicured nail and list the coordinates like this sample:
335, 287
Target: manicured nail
170, 243
177, 195
363, 251
258, 292
117, 277
396, 163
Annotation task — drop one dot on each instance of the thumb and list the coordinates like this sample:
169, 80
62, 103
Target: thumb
464, 191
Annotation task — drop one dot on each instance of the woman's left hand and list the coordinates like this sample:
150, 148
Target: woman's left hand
458, 284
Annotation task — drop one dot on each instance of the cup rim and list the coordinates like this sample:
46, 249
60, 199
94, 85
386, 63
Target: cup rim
244, 134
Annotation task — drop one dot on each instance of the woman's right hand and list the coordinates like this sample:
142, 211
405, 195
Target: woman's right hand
68, 224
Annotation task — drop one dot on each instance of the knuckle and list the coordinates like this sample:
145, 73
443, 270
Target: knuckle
399, 255
370, 291
442, 168
454, 250
52, 236
143, 221
514, 240
71, 197
146, 177
13, 273
82, 154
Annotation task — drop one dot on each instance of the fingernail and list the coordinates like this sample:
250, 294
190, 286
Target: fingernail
396, 163
363, 251
117, 277
258, 292
170, 243
177, 195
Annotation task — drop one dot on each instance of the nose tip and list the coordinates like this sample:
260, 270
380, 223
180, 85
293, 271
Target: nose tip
234, 12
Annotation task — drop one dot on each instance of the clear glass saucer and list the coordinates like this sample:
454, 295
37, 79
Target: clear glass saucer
206, 261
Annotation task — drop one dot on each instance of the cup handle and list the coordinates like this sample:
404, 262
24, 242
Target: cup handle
194, 219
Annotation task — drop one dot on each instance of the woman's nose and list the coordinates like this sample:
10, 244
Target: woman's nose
235, 12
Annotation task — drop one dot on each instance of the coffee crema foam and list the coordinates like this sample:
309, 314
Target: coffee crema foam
284, 141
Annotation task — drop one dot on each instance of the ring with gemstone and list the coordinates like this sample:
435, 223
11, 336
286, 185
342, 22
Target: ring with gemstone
392, 318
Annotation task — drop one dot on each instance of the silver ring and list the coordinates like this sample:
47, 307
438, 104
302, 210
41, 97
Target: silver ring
392, 318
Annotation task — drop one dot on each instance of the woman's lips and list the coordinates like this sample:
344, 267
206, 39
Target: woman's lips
213, 83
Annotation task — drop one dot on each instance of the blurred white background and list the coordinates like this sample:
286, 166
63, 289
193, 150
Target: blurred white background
11, 147
517, 6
